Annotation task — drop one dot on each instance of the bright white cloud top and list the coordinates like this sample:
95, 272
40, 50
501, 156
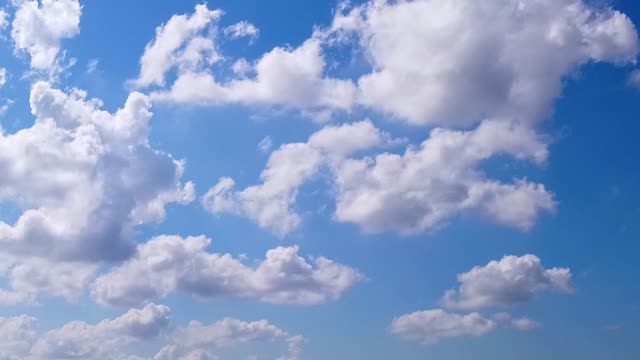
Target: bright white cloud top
85, 178
39, 27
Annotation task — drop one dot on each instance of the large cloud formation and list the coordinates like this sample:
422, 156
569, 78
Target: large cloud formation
84, 178
459, 65
446, 63
170, 263
458, 62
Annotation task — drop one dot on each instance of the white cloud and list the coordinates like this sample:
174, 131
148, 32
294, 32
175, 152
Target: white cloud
104, 340
270, 203
432, 326
265, 144
241, 68
459, 62
84, 178
92, 66
39, 27
179, 42
4, 19
226, 333
433, 62
21, 337
169, 264
17, 334
3, 76
510, 281
275, 71
426, 186
242, 29
6, 104
31, 278
409, 193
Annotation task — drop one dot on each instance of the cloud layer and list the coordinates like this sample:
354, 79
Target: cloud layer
110, 339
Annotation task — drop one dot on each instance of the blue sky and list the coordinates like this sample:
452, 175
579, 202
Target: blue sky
419, 179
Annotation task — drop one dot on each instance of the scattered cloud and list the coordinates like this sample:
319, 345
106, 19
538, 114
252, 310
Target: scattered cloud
92, 66
29, 279
265, 144
242, 29
511, 281
432, 326
3, 76
179, 43
407, 194
270, 203
39, 27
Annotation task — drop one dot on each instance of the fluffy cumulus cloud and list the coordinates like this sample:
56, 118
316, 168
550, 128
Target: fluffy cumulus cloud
39, 26
274, 73
84, 178
512, 280
179, 43
458, 62
170, 263
405, 193
188, 44
270, 203
21, 337
31, 278
78, 339
427, 185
